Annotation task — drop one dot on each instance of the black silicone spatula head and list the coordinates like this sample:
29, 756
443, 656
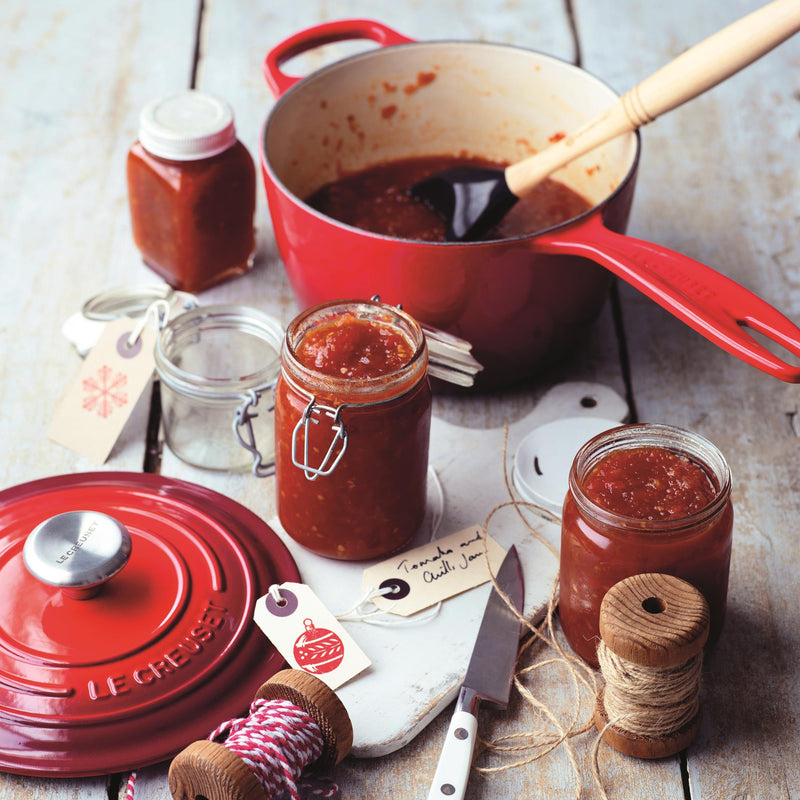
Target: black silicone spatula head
470, 200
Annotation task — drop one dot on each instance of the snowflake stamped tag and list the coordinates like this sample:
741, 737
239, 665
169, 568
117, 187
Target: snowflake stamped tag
91, 415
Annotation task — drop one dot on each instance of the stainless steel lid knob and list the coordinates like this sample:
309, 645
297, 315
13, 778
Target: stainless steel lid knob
77, 551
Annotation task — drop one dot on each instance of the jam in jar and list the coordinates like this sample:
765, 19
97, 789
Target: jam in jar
643, 498
352, 429
192, 192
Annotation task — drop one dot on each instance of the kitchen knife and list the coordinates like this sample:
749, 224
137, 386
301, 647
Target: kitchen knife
489, 676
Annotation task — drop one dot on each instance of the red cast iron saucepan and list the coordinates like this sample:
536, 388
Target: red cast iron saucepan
521, 302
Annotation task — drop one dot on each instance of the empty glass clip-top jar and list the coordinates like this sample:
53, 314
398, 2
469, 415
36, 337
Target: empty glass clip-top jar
643, 498
352, 429
216, 364
192, 192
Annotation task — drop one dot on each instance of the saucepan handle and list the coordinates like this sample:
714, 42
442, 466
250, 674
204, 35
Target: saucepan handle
317, 36
714, 305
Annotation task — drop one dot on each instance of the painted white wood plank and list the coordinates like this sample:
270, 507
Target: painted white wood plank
73, 82
718, 183
72, 78
20, 787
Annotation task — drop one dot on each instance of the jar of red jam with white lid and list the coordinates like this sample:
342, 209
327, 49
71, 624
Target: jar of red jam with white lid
192, 192
643, 498
352, 429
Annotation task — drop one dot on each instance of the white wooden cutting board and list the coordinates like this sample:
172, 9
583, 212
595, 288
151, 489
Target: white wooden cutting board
417, 670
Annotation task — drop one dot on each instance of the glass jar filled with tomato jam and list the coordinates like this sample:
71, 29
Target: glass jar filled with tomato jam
192, 192
643, 498
352, 429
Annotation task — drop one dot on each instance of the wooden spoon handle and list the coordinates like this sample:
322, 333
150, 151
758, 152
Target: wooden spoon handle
693, 72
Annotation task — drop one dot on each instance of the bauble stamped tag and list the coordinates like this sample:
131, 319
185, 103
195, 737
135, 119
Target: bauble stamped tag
445, 567
91, 415
307, 635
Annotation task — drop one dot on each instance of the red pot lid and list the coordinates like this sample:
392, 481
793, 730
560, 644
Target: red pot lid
162, 653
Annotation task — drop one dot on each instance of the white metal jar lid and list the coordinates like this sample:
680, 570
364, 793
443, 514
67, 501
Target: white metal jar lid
187, 126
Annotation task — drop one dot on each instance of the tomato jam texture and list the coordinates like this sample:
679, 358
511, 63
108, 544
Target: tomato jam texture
649, 483
192, 221
640, 510
351, 347
377, 199
374, 500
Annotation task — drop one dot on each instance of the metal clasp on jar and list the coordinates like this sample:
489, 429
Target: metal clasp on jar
333, 456
243, 431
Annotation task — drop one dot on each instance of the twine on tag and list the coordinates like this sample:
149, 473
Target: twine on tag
361, 612
159, 309
305, 632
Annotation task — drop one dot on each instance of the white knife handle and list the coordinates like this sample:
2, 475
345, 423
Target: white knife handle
452, 771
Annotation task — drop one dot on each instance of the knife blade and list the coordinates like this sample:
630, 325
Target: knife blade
489, 676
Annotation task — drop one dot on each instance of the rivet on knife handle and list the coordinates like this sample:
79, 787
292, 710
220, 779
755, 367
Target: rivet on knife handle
450, 779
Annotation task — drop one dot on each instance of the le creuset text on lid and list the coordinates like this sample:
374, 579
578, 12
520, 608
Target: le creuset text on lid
129, 633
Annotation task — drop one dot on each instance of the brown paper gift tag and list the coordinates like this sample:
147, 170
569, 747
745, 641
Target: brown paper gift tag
307, 634
445, 567
91, 415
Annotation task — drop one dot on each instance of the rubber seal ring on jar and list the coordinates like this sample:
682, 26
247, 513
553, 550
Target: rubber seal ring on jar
243, 431
77, 551
333, 456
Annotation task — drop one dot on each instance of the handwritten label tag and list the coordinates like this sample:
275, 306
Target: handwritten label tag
443, 568
308, 636
91, 415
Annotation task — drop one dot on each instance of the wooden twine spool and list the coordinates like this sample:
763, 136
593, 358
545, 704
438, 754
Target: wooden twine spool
208, 770
653, 629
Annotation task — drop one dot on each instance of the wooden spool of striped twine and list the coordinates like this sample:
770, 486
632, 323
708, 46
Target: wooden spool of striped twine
295, 722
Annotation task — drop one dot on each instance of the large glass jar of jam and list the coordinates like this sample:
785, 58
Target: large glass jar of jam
192, 192
643, 498
352, 429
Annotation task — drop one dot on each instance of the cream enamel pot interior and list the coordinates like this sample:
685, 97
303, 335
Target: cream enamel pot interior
521, 302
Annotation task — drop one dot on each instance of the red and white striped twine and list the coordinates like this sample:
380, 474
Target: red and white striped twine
277, 740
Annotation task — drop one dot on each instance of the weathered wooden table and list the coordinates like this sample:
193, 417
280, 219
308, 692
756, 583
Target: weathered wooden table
718, 181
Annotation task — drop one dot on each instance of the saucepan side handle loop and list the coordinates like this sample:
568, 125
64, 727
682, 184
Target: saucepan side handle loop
327, 32
711, 303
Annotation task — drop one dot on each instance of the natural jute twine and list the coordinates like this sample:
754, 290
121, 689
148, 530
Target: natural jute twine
552, 732
649, 701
